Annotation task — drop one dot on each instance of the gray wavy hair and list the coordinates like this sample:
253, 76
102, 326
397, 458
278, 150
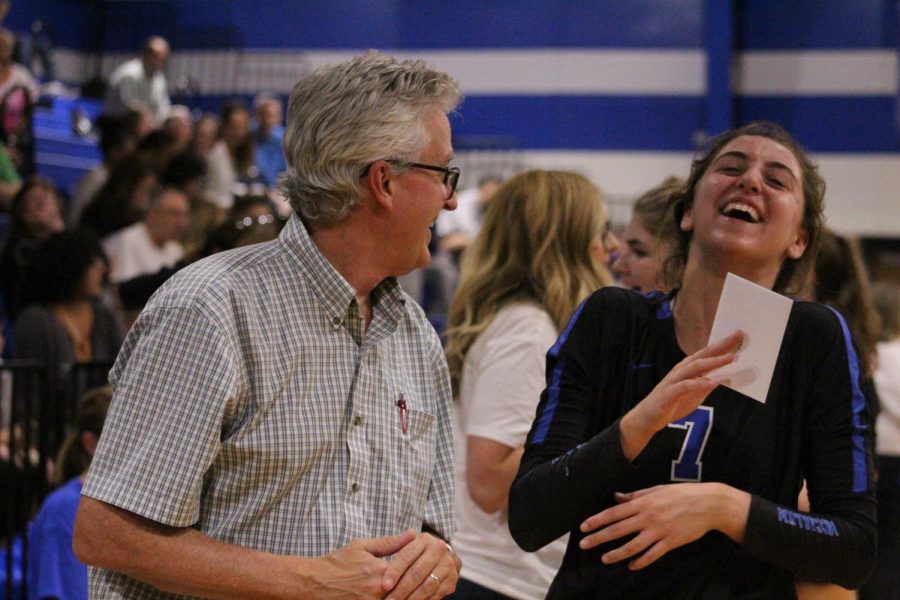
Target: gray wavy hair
341, 119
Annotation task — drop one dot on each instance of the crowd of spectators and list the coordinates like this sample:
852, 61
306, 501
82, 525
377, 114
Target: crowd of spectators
173, 186
167, 181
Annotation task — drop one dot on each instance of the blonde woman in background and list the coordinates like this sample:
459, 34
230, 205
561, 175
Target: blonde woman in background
542, 249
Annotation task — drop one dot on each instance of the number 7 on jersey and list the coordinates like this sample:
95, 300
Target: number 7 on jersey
689, 465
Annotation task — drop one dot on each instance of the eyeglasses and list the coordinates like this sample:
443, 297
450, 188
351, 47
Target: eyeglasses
451, 174
249, 221
450, 179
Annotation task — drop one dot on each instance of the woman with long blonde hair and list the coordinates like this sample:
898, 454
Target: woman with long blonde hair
542, 249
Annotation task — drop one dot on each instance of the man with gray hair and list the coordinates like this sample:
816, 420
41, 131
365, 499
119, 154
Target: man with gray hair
281, 419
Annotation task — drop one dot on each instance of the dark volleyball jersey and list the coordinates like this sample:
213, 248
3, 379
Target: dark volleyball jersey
814, 425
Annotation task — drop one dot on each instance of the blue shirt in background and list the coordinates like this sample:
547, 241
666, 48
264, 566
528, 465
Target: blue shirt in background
269, 157
53, 570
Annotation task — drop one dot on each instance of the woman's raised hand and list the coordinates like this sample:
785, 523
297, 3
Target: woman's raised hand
679, 394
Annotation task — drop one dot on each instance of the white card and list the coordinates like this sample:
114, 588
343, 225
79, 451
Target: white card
762, 315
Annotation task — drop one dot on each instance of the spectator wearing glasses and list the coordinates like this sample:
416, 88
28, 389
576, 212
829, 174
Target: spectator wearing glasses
281, 418
251, 220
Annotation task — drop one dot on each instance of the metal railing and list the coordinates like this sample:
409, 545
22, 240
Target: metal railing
36, 414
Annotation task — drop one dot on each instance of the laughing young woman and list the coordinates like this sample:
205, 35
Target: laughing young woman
671, 486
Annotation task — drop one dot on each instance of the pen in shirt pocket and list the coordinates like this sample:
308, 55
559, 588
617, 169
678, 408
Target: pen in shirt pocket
404, 423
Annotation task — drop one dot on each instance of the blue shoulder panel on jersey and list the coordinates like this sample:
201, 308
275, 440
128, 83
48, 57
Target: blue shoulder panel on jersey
553, 389
858, 402
664, 310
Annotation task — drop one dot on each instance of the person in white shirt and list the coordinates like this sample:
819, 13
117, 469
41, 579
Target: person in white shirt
152, 243
542, 249
141, 82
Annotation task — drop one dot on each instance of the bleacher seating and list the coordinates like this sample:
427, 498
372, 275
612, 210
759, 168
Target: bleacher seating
61, 154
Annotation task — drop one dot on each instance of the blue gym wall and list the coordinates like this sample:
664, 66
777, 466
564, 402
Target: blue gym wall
602, 120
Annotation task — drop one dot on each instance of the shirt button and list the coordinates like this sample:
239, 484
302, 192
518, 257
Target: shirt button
335, 322
358, 420
354, 488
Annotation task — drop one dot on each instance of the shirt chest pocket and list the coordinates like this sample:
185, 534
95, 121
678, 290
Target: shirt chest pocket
417, 455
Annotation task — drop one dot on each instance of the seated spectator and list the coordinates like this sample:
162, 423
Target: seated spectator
231, 168
185, 172
117, 142
65, 321
268, 155
138, 120
19, 92
205, 134
251, 220
123, 199
53, 570
647, 241
152, 243
141, 82
158, 146
13, 74
180, 125
35, 215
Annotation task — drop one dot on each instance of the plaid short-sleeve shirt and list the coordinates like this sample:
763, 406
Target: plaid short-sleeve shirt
252, 404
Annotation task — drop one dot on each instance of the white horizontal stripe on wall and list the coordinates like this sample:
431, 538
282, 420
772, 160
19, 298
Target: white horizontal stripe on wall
542, 72
494, 72
574, 72
817, 73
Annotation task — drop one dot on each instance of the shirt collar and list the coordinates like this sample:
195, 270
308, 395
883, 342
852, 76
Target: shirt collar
334, 291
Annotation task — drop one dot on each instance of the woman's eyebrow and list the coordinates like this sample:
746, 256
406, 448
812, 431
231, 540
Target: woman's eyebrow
772, 164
